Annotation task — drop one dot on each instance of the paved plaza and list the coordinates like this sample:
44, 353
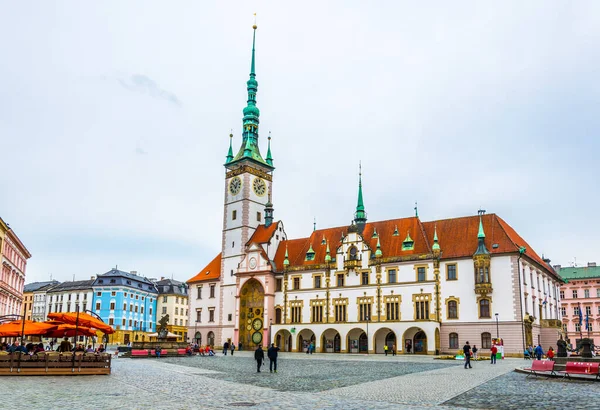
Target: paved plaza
319, 381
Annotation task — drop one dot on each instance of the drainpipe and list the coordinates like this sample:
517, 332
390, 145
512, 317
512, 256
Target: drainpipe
522, 251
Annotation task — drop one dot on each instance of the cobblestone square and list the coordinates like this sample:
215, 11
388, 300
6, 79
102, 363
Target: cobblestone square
320, 381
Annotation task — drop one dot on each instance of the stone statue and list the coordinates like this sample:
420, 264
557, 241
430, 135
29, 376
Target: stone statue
528, 323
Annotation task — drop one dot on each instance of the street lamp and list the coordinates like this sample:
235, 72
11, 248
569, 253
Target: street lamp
270, 324
367, 317
497, 328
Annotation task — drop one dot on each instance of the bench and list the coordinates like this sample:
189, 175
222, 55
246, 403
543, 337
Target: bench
588, 368
139, 353
181, 352
541, 366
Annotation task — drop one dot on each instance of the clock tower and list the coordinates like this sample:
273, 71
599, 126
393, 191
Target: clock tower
248, 183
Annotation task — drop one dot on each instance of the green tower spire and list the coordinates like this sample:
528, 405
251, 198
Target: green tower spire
286, 261
269, 158
360, 216
436, 245
480, 234
378, 252
328, 255
230, 153
249, 148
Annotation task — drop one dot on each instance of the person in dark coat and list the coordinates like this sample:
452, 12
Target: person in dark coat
259, 356
467, 352
225, 348
272, 355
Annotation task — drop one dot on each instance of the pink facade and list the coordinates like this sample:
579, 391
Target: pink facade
581, 291
12, 276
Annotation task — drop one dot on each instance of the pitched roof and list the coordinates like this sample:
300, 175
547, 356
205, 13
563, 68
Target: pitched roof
210, 272
457, 238
263, 234
36, 286
75, 285
574, 273
171, 287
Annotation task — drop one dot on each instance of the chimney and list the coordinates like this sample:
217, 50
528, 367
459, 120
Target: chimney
591, 264
162, 278
92, 278
556, 267
133, 272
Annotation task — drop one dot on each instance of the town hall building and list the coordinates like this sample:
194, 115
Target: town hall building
417, 286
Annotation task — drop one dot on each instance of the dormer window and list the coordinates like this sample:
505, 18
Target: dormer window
113, 281
408, 244
310, 254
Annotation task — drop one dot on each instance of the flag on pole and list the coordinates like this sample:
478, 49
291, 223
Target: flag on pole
587, 321
580, 315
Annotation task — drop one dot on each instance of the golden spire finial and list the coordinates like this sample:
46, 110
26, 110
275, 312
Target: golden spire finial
254, 26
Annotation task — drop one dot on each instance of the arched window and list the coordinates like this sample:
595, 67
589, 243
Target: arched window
278, 316
452, 309
484, 308
353, 253
453, 340
210, 339
486, 340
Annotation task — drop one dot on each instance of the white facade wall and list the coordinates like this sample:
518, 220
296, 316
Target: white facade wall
60, 302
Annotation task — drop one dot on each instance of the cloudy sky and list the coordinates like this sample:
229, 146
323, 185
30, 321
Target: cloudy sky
114, 122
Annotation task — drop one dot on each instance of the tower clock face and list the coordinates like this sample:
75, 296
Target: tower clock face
259, 186
257, 324
235, 185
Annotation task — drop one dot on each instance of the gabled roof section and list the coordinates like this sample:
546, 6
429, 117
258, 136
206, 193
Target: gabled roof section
458, 237
212, 271
262, 234
391, 245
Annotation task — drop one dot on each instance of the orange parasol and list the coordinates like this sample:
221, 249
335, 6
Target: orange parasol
66, 330
85, 320
15, 328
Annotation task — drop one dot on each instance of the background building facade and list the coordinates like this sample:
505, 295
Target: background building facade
127, 302
14, 256
581, 302
173, 301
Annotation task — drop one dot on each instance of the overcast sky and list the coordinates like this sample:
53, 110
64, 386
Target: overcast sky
114, 122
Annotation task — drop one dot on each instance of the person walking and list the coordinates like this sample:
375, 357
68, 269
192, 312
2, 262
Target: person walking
394, 349
232, 348
272, 355
538, 352
225, 348
467, 352
311, 347
157, 350
259, 356
493, 350
408, 346
475, 352
385, 349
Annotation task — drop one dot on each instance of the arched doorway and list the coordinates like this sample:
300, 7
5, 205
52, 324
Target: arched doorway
420, 342
210, 339
331, 341
357, 341
283, 340
363, 343
385, 336
251, 326
198, 338
305, 338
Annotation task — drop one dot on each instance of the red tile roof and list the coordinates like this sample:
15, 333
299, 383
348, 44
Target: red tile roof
457, 238
212, 271
262, 234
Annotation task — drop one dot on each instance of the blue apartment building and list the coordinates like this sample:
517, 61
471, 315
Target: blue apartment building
127, 302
